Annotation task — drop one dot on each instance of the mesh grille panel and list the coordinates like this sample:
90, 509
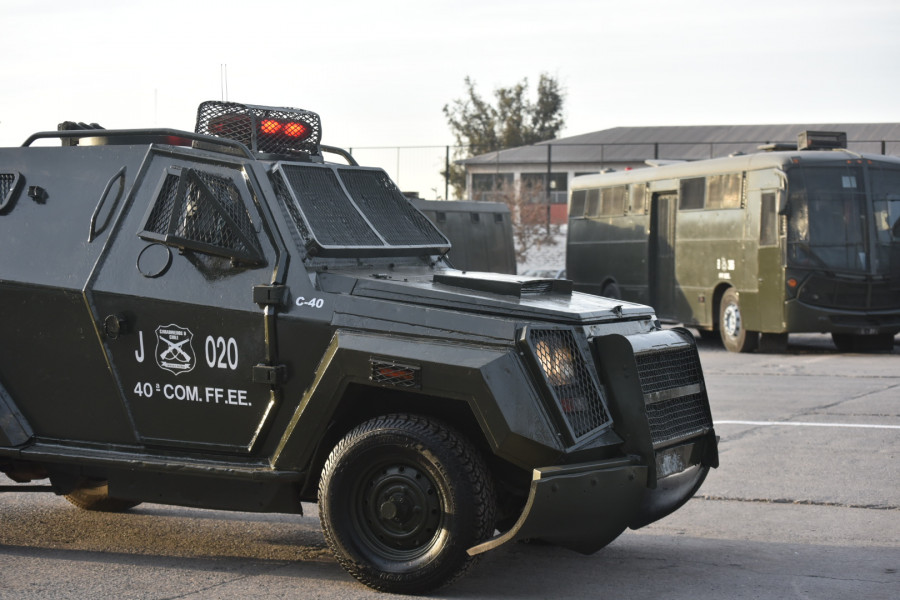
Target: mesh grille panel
389, 212
296, 130
331, 215
205, 212
667, 369
678, 418
8, 184
569, 378
677, 415
161, 215
396, 375
6, 181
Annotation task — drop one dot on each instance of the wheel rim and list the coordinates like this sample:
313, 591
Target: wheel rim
732, 320
398, 511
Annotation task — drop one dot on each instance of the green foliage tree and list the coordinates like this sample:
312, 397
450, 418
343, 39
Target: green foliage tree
512, 120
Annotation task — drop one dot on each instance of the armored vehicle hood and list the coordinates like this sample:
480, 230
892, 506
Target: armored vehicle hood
484, 293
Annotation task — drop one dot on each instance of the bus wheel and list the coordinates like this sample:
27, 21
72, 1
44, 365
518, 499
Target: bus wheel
848, 342
731, 328
611, 290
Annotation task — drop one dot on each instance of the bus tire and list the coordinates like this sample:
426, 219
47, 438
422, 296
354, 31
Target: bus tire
611, 290
849, 342
734, 336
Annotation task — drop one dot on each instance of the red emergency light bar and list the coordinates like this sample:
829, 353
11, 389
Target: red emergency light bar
262, 128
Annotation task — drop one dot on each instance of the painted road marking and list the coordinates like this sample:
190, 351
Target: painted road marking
799, 424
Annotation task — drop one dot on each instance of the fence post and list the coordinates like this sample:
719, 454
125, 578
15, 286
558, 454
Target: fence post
549, 171
447, 174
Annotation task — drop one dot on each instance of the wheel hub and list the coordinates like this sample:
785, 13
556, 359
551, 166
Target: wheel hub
732, 317
400, 509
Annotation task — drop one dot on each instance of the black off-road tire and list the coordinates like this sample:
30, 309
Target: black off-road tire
734, 336
401, 499
93, 494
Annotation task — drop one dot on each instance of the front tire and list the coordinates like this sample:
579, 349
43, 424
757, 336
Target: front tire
731, 327
401, 499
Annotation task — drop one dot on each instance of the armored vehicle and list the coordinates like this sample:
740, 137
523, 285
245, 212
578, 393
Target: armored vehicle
224, 319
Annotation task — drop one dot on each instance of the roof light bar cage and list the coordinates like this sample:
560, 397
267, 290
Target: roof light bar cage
248, 124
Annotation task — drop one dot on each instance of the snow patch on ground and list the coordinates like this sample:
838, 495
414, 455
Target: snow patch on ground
547, 257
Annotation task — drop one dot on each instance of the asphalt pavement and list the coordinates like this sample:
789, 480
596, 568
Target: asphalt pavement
806, 505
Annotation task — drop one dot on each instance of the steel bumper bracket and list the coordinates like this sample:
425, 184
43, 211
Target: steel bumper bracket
582, 507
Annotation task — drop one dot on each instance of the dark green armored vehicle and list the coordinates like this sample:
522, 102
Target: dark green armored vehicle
223, 319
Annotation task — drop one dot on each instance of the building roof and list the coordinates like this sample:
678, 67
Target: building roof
636, 144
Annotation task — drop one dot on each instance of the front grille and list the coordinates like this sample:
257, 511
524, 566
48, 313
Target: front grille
678, 418
668, 369
568, 376
674, 394
846, 294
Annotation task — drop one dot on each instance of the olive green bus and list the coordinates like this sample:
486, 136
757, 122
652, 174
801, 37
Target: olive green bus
768, 243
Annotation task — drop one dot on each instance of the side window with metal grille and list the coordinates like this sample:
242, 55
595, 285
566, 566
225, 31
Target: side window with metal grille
768, 221
724, 191
202, 211
691, 193
9, 183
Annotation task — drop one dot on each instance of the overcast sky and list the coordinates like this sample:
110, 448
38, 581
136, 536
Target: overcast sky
379, 73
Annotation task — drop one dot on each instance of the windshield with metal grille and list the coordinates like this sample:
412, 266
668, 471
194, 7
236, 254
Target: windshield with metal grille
827, 218
354, 212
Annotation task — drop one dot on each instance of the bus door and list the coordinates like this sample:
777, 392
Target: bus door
661, 263
770, 263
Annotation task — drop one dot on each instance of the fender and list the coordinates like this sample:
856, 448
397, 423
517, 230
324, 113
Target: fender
490, 379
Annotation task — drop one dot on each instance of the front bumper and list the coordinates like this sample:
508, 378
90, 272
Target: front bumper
585, 506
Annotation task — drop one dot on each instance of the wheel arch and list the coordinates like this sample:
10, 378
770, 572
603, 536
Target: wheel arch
480, 391
717, 294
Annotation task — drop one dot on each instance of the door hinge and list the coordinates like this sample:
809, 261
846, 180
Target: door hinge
270, 294
269, 374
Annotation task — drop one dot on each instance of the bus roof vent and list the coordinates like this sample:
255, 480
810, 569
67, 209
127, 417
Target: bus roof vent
821, 140
776, 147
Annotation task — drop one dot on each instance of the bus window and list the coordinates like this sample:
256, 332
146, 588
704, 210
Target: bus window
612, 201
886, 200
723, 191
691, 193
638, 192
577, 207
826, 218
592, 204
768, 221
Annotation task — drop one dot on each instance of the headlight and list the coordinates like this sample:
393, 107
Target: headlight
570, 378
556, 362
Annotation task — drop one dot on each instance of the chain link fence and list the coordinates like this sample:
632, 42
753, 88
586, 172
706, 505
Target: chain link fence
422, 169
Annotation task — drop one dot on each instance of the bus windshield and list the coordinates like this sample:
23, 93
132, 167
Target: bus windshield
827, 218
886, 208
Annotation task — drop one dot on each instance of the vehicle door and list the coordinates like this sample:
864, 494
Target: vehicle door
662, 253
173, 295
771, 262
